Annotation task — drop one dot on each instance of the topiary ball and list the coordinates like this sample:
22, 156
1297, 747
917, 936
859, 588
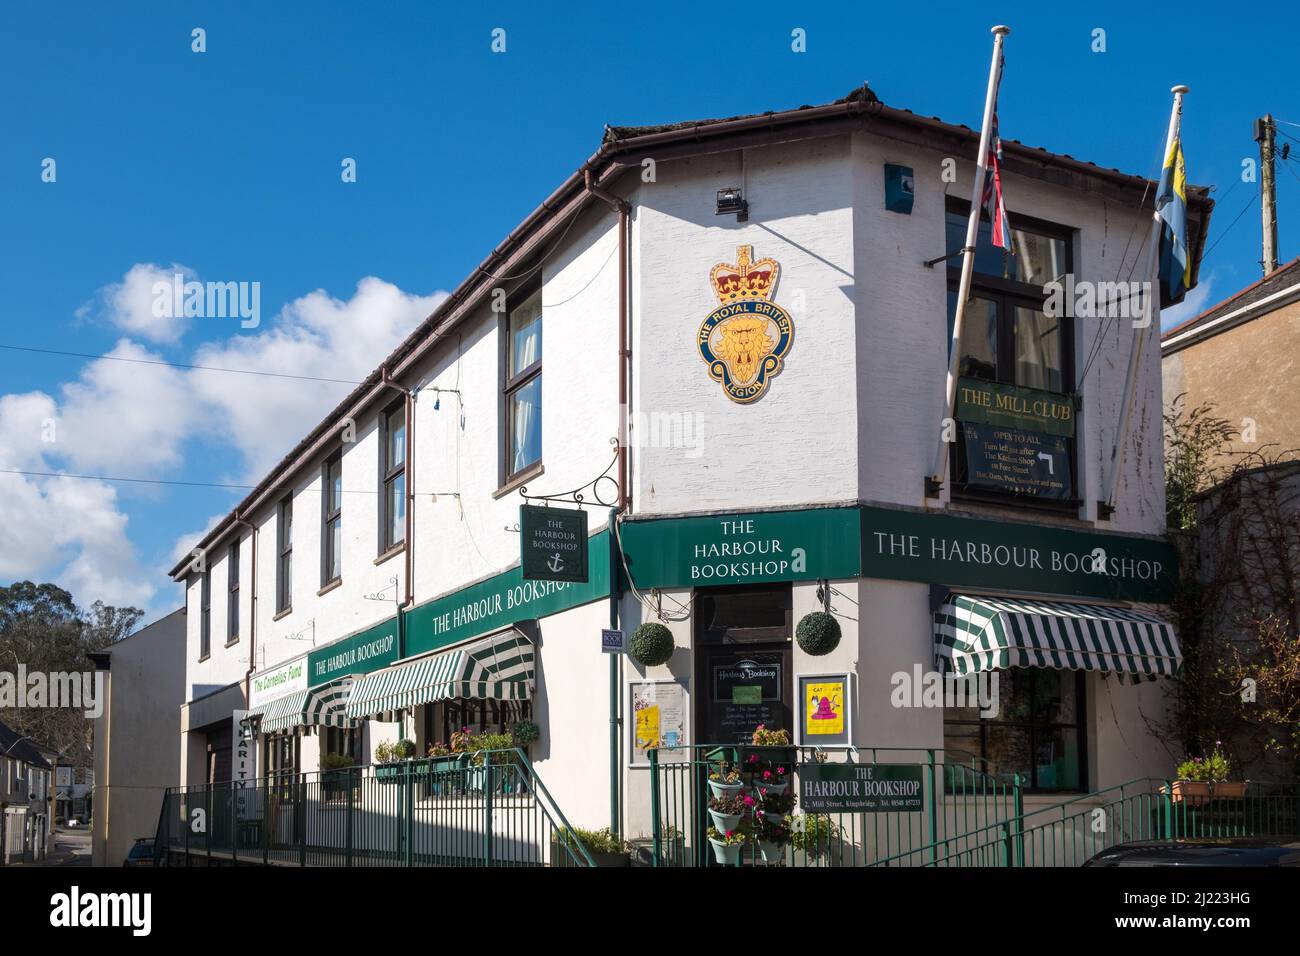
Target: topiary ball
651, 644
818, 633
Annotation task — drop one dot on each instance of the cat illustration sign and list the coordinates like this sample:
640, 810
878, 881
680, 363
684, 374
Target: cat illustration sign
553, 544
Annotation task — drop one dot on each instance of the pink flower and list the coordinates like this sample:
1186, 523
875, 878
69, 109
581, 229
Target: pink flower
767, 775
780, 769
749, 801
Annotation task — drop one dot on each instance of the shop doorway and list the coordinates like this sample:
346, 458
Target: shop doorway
743, 659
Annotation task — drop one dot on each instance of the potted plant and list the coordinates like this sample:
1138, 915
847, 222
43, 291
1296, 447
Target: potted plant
725, 780
604, 847
772, 779
814, 840
773, 834
1202, 779
768, 749
727, 845
525, 732
336, 774
775, 805
727, 811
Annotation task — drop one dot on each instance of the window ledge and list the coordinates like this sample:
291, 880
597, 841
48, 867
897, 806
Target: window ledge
327, 588
232, 642
205, 657
282, 614
528, 474
391, 552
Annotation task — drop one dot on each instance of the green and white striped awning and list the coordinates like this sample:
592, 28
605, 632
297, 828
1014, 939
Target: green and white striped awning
977, 633
500, 667
320, 706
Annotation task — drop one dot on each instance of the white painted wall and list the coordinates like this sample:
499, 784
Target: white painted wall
136, 757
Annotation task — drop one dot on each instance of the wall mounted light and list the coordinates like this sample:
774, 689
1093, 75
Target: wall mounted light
731, 201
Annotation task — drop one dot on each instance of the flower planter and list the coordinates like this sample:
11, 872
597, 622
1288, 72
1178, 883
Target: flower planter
1197, 792
774, 817
781, 787
728, 854
560, 857
724, 790
725, 822
771, 852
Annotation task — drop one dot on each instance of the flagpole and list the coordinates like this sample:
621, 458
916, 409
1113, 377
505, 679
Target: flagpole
1129, 397
935, 482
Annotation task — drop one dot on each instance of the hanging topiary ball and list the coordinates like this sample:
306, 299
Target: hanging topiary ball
818, 633
651, 644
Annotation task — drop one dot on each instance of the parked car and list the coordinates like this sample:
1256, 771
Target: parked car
1205, 851
141, 853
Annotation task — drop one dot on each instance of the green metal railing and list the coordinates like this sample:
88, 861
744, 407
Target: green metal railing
484, 809
1069, 833
958, 799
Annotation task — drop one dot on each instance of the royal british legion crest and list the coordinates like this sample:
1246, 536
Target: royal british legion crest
746, 338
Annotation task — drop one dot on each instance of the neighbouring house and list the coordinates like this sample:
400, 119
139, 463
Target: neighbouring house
742, 390
135, 754
1243, 357
25, 798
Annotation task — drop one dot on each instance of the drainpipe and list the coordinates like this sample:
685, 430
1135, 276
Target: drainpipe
252, 611
621, 207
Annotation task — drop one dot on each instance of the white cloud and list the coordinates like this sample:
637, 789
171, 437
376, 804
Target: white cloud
129, 304
132, 420
316, 335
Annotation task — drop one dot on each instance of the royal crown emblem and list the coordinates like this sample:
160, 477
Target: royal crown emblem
746, 338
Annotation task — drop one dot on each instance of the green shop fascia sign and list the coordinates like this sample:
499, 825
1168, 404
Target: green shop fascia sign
365, 651
749, 548
502, 600
977, 552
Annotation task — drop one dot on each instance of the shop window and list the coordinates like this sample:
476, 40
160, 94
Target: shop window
344, 741
284, 557
392, 476
439, 721
331, 564
281, 762
1039, 731
523, 387
1009, 341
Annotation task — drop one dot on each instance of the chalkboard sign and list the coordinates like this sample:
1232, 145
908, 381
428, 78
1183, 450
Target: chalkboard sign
1020, 462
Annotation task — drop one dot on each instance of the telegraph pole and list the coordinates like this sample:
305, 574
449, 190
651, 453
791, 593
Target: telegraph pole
1265, 131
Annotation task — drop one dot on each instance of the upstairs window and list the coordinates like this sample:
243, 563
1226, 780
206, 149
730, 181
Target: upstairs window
331, 568
205, 614
284, 557
392, 476
232, 598
523, 387
1010, 344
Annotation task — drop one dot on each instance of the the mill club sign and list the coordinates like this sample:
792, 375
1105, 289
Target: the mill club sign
553, 544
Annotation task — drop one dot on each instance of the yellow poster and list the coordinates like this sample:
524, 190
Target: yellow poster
824, 708
647, 727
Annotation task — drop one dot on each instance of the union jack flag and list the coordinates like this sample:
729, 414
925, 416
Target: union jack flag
992, 202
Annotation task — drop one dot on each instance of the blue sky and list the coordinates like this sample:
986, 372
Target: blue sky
227, 163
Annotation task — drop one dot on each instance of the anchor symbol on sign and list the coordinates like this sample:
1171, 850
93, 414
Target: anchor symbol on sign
556, 563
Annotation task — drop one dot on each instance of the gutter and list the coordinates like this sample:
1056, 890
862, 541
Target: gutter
1223, 323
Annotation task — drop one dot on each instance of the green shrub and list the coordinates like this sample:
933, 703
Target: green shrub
596, 841
651, 644
818, 633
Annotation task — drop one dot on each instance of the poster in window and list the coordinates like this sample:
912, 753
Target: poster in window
658, 718
825, 710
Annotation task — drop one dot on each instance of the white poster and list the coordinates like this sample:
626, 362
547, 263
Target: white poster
658, 718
